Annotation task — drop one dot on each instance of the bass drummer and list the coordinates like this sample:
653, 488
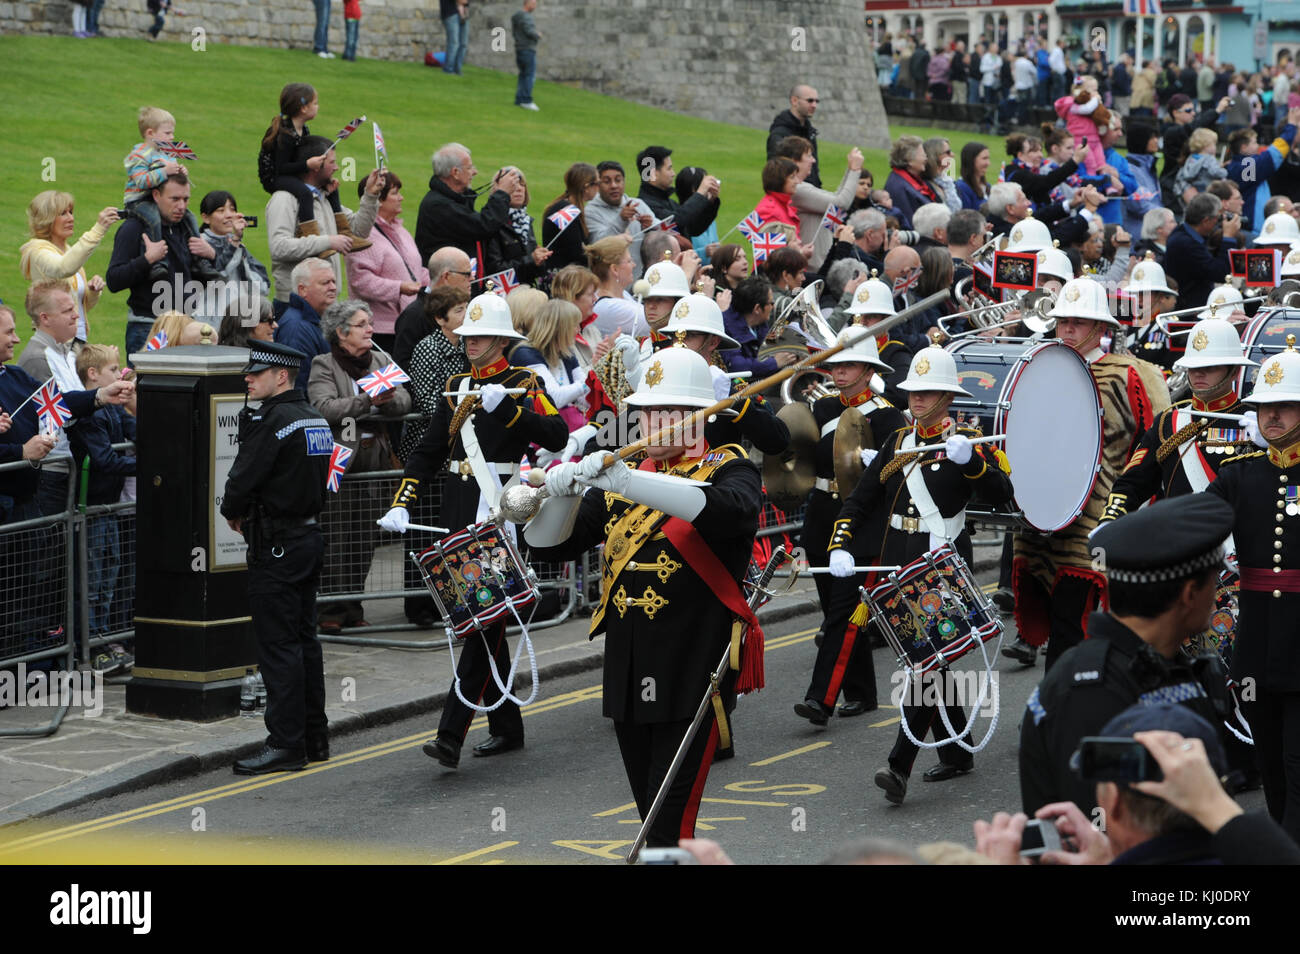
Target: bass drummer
1055, 580
486, 437
904, 506
843, 660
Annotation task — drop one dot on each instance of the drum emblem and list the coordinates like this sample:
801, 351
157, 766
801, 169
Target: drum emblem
483, 595
931, 602
946, 627
1201, 341
1274, 374
472, 572
655, 374
1222, 623
981, 378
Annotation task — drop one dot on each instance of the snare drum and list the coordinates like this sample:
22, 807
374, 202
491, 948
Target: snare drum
476, 577
1263, 337
1043, 397
932, 611
1222, 634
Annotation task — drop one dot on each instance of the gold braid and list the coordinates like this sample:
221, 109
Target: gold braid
464, 408
1175, 441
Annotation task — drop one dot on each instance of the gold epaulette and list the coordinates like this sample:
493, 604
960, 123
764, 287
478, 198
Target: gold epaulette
1246, 456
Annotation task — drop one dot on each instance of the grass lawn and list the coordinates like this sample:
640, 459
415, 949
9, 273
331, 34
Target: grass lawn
75, 101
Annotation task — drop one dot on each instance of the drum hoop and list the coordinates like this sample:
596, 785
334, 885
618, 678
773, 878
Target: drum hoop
478, 619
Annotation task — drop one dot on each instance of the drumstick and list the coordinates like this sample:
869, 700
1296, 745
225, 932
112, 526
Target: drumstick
475, 393
816, 570
1219, 417
416, 526
938, 447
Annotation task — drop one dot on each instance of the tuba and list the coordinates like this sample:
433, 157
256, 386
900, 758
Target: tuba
803, 307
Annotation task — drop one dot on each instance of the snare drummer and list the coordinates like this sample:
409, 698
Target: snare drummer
905, 506
1055, 579
843, 659
484, 454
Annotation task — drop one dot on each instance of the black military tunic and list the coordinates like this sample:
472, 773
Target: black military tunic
1151, 343
1264, 491
1090, 684
899, 357
665, 628
277, 489
504, 436
1158, 467
866, 528
847, 667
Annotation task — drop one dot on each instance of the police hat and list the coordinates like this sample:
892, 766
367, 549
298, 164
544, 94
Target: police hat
1169, 540
270, 354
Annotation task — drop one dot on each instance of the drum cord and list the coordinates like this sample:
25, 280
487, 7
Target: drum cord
947, 723
506, 694
1249, 737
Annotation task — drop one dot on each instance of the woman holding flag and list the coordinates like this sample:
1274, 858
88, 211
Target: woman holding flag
563, 232
388, 275
512, 257
350, 384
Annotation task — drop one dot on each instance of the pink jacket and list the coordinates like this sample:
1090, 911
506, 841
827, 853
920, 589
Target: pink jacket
1079, 121
375, 274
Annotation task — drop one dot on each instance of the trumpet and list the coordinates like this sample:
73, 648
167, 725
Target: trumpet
1033, 306
1227, 308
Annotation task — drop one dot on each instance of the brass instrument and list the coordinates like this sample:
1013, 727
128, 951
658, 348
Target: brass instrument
1033, 307
804, 306
852, 436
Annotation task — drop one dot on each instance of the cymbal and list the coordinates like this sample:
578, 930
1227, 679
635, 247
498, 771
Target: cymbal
790, 475
852, 435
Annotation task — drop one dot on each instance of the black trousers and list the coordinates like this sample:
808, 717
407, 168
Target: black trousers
1072, 599
283, 574
477, 685
1274, 719
647, 752
924, 718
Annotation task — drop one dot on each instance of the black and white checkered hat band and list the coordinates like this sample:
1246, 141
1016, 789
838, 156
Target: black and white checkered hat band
1163, 574
275, 358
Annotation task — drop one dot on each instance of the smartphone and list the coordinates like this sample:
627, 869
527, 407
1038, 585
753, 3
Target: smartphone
123, 213
250, 221
1085, 142
1040, 836
1104, 759
666, 856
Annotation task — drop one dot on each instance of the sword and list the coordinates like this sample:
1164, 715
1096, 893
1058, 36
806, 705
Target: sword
715, 679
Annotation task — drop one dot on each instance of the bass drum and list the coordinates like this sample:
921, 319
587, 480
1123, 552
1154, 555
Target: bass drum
1263, 337
1043, 397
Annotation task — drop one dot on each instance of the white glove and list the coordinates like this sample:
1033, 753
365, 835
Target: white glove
562, 481
868, 455
841, 563
591, 465
577, 441
492, 395
396, 520
721, 383
1251, 420
591, 470
958, 449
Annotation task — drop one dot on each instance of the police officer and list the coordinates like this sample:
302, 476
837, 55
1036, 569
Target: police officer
675, 553
486, 433
906, 504
1181, 452
1162, 565
273, 496
1263, 488
843, 660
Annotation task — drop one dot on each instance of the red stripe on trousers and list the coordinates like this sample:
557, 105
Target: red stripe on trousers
841, 664
697, 790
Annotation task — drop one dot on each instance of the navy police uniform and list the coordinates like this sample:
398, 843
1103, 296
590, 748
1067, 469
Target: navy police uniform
1113, 669
276, 488
504, 436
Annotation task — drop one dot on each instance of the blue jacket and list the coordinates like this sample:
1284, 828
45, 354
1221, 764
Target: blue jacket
1251, 173
1112, 213
16, 385
746, 357
1191, 263
907, 198
969, 200
299, 327
1043, 60
94, 438
1143, 170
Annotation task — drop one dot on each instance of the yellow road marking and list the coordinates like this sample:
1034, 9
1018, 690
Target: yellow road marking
790, 755
601, 849
877, 725
475, 854
615, 811
741, 801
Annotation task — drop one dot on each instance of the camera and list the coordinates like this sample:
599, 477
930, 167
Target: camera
1125, 760
1039, 837
250, 221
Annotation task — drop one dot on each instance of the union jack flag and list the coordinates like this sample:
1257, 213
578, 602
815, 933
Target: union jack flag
339, 458
1143, 8
1142, 195
667, 225
176, 150
473, 269
564, 216
381, 152
51, 411
156, 342
385, 379
1002, 172
765, 243
833, 218
350, 128
505, 281
749, 225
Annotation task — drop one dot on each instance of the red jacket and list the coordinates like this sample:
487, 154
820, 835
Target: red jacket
778, 207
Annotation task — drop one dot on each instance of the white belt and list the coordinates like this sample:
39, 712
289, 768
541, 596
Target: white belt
463, 467
826, 485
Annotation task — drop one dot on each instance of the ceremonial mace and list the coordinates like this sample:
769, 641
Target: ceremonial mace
520, 503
